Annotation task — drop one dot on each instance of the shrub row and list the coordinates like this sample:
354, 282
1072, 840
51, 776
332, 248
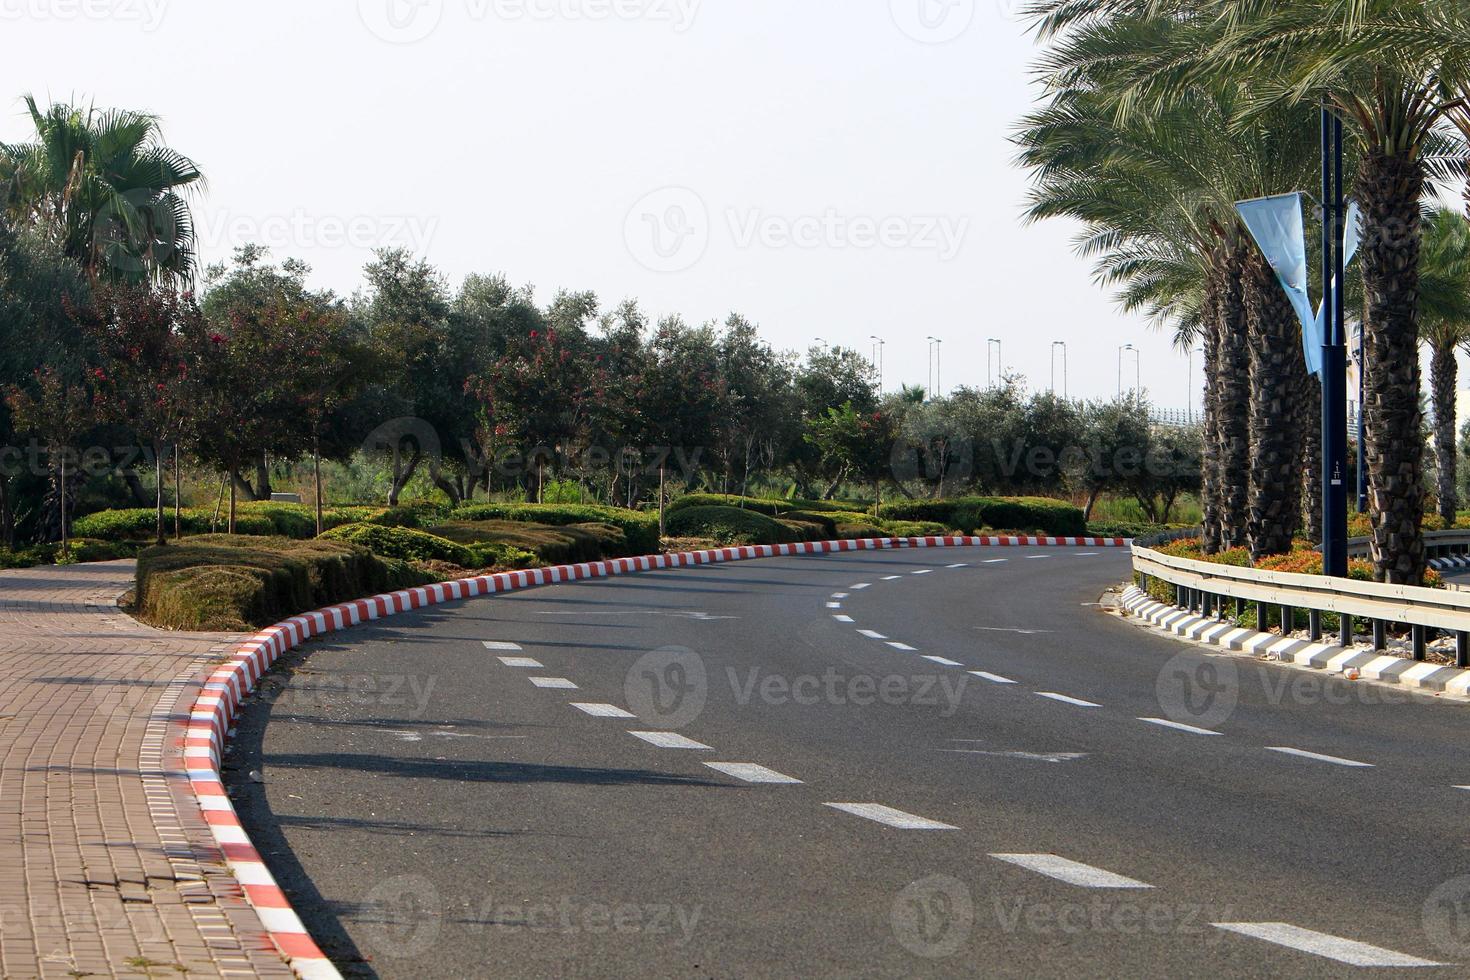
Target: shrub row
971, 514
254, 518
520, 543
640, 530
236, 583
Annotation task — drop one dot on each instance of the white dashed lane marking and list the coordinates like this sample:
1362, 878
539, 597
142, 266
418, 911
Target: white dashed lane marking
892, 578
1348, 951
843, 619
890, 817
501, 645
945, 661
670, 740
1166, 723
834, 605
960, 565
839, 595
1036, 557
752, 773
992, 678
902, 646
554, 683
1066, 700
521, 662
924, 571
1072, 872
995, 561
1299, 753
604, 711
872, 635
860, 586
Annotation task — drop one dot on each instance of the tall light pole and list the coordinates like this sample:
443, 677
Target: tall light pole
1063, 345
878, 346
1138, 355
1000, 364
1334, 360
936, 365
1189, 387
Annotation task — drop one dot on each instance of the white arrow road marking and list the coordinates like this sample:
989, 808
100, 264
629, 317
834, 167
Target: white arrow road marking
604, 711
1072, 872
945, 661
1000, 629
501, 645
1027, 756
992, 678
872, 635
1066, 700
554, 683
670, 740
843, 619
521, 662
1166, 723
1348, 951
890, 817
1320, 758
751, 773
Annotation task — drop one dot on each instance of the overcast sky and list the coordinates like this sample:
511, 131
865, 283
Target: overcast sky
829, 168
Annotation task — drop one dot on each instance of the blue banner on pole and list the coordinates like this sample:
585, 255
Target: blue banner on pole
1276, 225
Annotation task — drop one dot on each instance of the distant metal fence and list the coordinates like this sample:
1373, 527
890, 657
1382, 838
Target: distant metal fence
1184, 416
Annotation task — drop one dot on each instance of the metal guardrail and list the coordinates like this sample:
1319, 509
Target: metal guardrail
1203, 586
1437, 544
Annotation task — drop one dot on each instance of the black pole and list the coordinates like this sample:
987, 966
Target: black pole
1362, 446
1334, 356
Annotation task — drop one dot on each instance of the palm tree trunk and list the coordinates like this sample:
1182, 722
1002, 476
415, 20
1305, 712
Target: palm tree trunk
1274, 497
1210, 490
1443, 371
1389, 190
1232, 400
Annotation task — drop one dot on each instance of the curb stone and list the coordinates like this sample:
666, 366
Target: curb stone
212, 715
1371, 665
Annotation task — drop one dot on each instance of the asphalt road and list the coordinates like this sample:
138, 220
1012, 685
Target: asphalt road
1096, 801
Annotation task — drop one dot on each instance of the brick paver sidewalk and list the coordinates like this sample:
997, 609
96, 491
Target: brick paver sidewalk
106, 866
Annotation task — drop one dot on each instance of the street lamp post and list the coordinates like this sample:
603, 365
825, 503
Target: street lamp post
1334, 359
1063, 345
1138, 355
878, 346
936, 366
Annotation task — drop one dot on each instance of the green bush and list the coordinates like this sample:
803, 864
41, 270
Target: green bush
640, 530
806, 530
851, 531
236, 583
728, 525
405, 543
412, 517
138, 524
827, 522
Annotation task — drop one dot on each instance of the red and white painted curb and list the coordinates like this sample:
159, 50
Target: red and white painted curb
227, 687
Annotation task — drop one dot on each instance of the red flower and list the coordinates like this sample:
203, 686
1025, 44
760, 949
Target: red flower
217, 338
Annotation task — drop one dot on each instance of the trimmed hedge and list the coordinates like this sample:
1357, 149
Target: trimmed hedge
238, 583
729, 525
640, 530
404, 543
971, 514
770, 506
551, 545
262, 517
914, 529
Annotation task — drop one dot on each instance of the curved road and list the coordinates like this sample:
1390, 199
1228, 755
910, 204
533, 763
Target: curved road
945, 762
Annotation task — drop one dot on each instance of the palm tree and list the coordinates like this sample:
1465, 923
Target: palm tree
1444, 286
104, 188
1157, 191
